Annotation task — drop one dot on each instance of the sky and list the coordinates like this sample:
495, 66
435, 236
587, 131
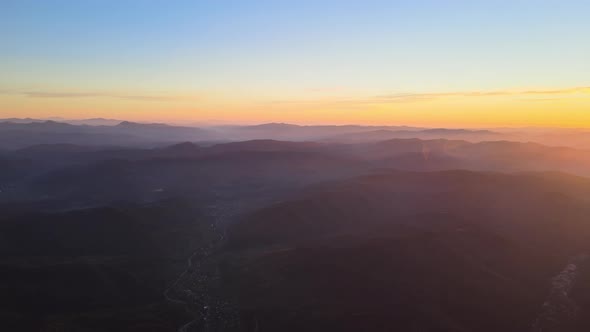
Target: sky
430, 63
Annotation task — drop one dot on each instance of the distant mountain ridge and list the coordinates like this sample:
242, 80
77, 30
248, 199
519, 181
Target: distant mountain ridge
90, 122
18, 133
15, 135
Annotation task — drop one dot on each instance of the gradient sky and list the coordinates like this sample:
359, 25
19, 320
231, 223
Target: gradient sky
438, 63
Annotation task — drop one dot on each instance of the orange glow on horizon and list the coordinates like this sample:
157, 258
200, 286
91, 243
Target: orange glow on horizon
568, 107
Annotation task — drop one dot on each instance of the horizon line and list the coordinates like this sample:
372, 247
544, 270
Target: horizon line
220, 123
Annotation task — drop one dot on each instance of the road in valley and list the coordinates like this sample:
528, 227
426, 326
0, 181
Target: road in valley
559, 308
197, 287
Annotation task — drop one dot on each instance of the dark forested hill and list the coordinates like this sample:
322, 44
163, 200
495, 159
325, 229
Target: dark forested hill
442, 251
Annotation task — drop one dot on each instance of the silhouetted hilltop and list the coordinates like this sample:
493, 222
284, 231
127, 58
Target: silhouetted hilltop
20, 135
271, 126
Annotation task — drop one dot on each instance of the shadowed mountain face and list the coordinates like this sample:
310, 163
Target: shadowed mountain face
95, 269
136, 226
76, 173
538, 205
444, 251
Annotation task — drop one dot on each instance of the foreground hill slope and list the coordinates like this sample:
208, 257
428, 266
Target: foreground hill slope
411, 251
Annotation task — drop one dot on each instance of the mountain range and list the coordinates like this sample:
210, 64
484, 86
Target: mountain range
132, 226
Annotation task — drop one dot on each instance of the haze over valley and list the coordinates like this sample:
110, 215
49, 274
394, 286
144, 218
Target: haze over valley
289, 166
283, 227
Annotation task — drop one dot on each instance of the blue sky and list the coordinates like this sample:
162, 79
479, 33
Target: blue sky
281, 49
